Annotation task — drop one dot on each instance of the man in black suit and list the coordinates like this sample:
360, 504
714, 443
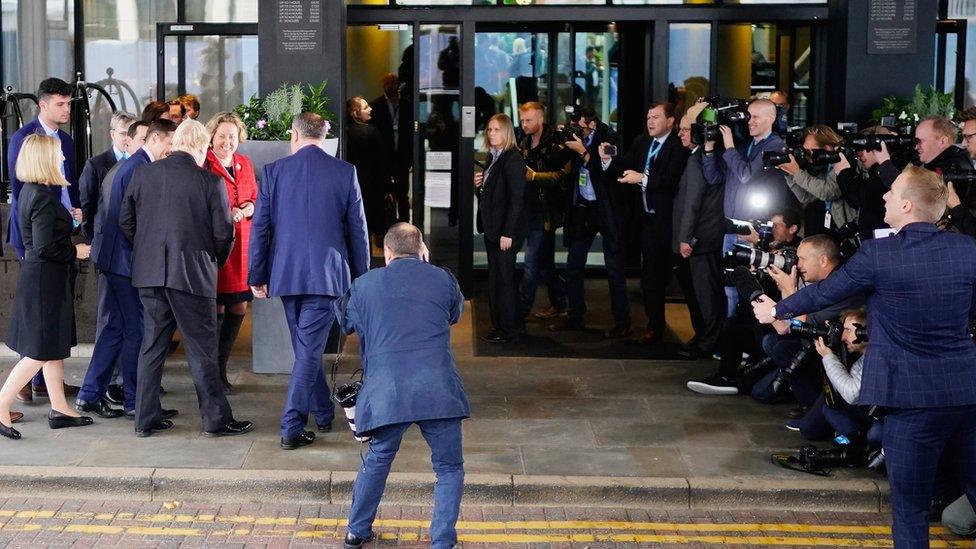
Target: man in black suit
655, 162
699, 229
97, 166
386, 118
176, 216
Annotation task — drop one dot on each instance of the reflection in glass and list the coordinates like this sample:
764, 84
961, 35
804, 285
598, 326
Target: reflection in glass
222, 11
595, 75
222, 71
511, 68
689, 63
38, 42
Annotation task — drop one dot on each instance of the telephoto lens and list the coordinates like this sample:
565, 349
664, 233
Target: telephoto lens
346, 395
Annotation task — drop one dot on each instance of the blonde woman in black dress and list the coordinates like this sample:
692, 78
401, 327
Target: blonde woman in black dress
42, 327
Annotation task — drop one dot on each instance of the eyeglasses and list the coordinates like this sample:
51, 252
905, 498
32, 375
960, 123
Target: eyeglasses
968, 136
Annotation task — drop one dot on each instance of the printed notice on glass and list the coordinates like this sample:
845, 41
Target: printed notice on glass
437, 189
892, 26
438, 160
299, 26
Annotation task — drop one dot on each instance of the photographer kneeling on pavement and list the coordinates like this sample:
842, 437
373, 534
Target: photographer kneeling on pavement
817, 257
403, 314
922, 365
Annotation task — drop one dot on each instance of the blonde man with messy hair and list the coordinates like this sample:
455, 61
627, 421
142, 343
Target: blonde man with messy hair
192, 137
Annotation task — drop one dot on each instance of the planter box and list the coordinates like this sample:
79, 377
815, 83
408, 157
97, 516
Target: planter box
271, 350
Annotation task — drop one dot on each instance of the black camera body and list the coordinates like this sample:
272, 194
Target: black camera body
704, 133
860, 142
830, 331
729, 111
566, 133
962, 182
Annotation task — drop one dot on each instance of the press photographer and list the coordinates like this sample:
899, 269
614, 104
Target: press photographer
593, 208
935, 143
864, 184
815, 183
922, 364
968, 119
403, 315
817, 257
548, 168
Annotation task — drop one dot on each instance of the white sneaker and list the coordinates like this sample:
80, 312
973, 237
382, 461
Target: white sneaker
714, 385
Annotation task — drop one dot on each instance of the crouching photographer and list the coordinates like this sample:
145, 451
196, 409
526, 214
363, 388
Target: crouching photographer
811, 174
403, 314
817, 258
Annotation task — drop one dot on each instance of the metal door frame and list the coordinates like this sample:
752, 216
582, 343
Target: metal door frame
181, 31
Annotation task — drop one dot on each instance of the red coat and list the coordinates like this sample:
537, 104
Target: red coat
242, 189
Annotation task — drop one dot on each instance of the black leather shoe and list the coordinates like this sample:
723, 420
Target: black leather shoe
304, 439
9, 432
115, 394
352, 542
99, 407
166, 414
324, 428
57, 420
160, 425
232, 428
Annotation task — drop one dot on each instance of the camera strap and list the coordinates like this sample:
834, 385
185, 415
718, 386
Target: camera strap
342, 341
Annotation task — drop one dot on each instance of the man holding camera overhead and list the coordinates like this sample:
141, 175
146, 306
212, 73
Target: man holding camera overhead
750, 191
655, 162
920, 285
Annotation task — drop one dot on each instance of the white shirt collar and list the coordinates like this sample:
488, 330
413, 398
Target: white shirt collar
149, 154
47, 130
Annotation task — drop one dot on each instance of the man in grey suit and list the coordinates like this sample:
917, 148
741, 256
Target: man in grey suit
699, 226
177, 217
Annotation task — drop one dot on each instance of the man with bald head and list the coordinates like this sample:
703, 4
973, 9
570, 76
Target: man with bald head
750, 191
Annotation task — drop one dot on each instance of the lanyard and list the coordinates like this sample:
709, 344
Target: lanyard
652, 154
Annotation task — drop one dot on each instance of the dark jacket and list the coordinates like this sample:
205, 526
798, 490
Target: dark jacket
89, 184
698, 217
865, 191
501, 198
368, 151
111, 250
403, 315
308, 233
176, 216
382, 120
921, 354
610, 196
955, 160
13, 150
546, 192
743, 174
663, 177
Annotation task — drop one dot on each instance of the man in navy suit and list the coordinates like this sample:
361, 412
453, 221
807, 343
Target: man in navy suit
122, 334
90, 180
922, 361
54, 103
308, 243
403, 315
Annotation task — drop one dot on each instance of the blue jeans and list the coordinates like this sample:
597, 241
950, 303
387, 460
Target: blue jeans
540, 265
310, 320
444, 438
119, 338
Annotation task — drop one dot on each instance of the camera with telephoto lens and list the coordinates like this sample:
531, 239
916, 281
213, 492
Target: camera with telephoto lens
704, 133
785, 260
567, 133
962, 182
817, 461
848, 238
830, 331
346, 396
872, 142
744, 228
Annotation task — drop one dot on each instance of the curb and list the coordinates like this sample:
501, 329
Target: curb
236, 485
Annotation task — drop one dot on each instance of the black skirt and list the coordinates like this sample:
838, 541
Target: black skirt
42, 323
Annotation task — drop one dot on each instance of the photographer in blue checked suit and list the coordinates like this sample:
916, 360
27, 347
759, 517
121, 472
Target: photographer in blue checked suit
922, 361
403, 314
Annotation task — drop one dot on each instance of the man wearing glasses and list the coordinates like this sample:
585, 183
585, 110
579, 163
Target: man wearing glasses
968, 118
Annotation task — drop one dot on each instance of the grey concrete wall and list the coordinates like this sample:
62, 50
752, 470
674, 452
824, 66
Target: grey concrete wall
86, 290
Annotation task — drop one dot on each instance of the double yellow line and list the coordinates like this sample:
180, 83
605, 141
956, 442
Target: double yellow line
801, 535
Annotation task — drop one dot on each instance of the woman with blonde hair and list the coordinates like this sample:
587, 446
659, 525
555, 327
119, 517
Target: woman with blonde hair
236, 171
42, 326
500, 189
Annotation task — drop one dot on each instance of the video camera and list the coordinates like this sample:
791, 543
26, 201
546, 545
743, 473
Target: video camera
728, 110
567, 132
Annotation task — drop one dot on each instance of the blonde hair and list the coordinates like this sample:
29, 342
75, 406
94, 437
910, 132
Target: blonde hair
40, 161
190, 136
942, 127
926, 191
505, 124
226, 117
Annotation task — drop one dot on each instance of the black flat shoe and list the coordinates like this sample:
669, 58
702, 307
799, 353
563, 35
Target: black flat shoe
57, 420
232, 428
160, 425
304, 439
9, 432
99, 407
353, 542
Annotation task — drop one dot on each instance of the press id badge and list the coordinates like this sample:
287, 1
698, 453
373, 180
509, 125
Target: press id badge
582, 178
827, 217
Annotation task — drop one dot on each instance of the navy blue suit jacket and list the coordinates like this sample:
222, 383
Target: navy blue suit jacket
920, 287
114, 255
13, 150
89, 185
403, 314
308, 233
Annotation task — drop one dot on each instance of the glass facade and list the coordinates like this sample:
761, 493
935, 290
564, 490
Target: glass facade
38, 42
689, 63
963, 9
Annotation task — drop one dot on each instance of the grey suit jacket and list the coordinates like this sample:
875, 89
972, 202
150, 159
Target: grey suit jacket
698, 211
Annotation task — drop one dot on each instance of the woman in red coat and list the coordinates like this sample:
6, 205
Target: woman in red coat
233, 293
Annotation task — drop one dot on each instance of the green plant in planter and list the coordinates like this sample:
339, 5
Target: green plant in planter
928, 102
269, 119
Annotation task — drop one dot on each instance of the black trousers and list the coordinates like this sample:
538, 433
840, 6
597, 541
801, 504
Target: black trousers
655, 269
700, 277
588, 221
502, 289
165, 310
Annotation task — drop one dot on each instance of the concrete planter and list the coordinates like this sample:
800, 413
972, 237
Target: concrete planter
271, 350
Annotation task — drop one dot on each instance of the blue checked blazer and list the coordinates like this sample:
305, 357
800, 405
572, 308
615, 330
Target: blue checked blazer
920, 289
